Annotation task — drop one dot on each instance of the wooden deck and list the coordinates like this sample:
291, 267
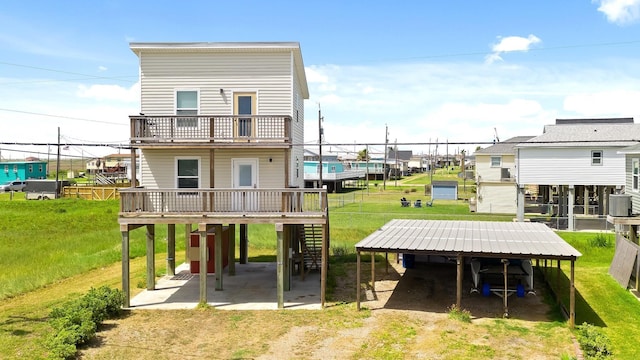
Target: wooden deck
214, 206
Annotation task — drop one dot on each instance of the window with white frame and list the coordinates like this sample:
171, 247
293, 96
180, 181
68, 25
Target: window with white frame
187, 173
30, 168
15, 169
186, 104
6, 169
635, 172
596, 157
496, 161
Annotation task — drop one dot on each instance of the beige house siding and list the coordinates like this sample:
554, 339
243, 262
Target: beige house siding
269, 74
496, 198
297, 129
485, 172
159, 167
270, 173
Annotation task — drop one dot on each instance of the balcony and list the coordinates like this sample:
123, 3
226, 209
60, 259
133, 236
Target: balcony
144, 206
211, 131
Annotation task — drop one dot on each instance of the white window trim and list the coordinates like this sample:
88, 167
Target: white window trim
635, 164
175, 99
198, 158
593, 158
491, 161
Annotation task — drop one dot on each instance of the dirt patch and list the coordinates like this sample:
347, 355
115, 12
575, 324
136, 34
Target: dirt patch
405, 317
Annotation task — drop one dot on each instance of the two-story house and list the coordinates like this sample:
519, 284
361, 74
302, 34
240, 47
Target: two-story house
495, 177
576, 165
220, 143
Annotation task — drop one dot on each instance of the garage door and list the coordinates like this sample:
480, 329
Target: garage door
445, 192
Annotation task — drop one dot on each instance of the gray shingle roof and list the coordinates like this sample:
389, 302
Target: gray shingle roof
469, 238
586, 135
508, 147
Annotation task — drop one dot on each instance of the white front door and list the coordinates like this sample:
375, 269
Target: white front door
245, 176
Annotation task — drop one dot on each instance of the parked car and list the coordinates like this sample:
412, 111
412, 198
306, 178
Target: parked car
15, 185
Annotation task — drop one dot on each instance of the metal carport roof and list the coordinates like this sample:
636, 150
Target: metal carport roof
460, 239
469, 238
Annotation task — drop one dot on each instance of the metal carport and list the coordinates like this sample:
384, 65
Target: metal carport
460, 239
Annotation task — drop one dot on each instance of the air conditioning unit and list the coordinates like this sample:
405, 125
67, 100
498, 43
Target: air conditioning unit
619, 205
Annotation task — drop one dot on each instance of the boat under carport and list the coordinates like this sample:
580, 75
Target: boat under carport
469, 239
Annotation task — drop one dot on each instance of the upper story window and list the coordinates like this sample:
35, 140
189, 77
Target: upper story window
187, 104
188, 173
496, 161
30, 168
6, 168
15, 168
635, 173
596, 157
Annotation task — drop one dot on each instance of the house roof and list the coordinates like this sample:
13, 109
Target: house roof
508, 147
631, 150
164, 47
402, 155
469, 238
589, 134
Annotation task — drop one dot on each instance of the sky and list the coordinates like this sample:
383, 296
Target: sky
459, 72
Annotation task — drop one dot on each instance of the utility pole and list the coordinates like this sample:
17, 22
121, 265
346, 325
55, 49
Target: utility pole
384, 165
367, 159
395, 171
320, 144
58, 166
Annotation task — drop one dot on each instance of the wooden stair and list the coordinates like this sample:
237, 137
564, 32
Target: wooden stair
310, 237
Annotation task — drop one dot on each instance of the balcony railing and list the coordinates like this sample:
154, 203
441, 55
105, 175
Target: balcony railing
232, 202
211, 128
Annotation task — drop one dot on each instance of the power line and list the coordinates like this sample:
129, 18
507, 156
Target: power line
69, 72
63, 117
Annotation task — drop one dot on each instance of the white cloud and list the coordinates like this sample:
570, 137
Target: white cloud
620, 11
102, 68
511, 44
463, 102
604, 103
110, 92
314, 76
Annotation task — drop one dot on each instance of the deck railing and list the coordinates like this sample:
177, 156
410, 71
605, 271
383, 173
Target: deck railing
211, 128
142, 201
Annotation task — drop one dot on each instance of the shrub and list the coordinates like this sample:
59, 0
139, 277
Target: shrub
76, 322
459, 314
594, 343
600, 240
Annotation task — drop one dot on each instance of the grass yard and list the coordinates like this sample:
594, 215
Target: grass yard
55, 250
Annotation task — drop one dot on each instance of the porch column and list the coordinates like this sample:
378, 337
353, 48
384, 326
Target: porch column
218, 255
187, 241
171, 249
287, 259
151, 255
570, 199
244, 242
279, 265
520, 203
124, 231
585, 200
358, 280
232, 249
324, 262
202, 230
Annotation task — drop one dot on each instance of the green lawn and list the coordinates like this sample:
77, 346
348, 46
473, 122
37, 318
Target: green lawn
42, 242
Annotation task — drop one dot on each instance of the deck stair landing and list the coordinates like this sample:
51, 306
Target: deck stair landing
311, 246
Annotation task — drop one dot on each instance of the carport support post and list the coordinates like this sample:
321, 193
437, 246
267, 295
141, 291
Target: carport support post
280, 265
373, 271
572, 297
171, 249
202, 230
558, 280
151, 256
124, 231
218, 256
460, 270
358, 280
244, 242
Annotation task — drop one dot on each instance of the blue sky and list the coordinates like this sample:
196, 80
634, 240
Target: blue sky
446, 70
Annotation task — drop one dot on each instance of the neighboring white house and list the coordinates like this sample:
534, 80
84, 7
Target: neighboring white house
576, 164
219, 137
495, 177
